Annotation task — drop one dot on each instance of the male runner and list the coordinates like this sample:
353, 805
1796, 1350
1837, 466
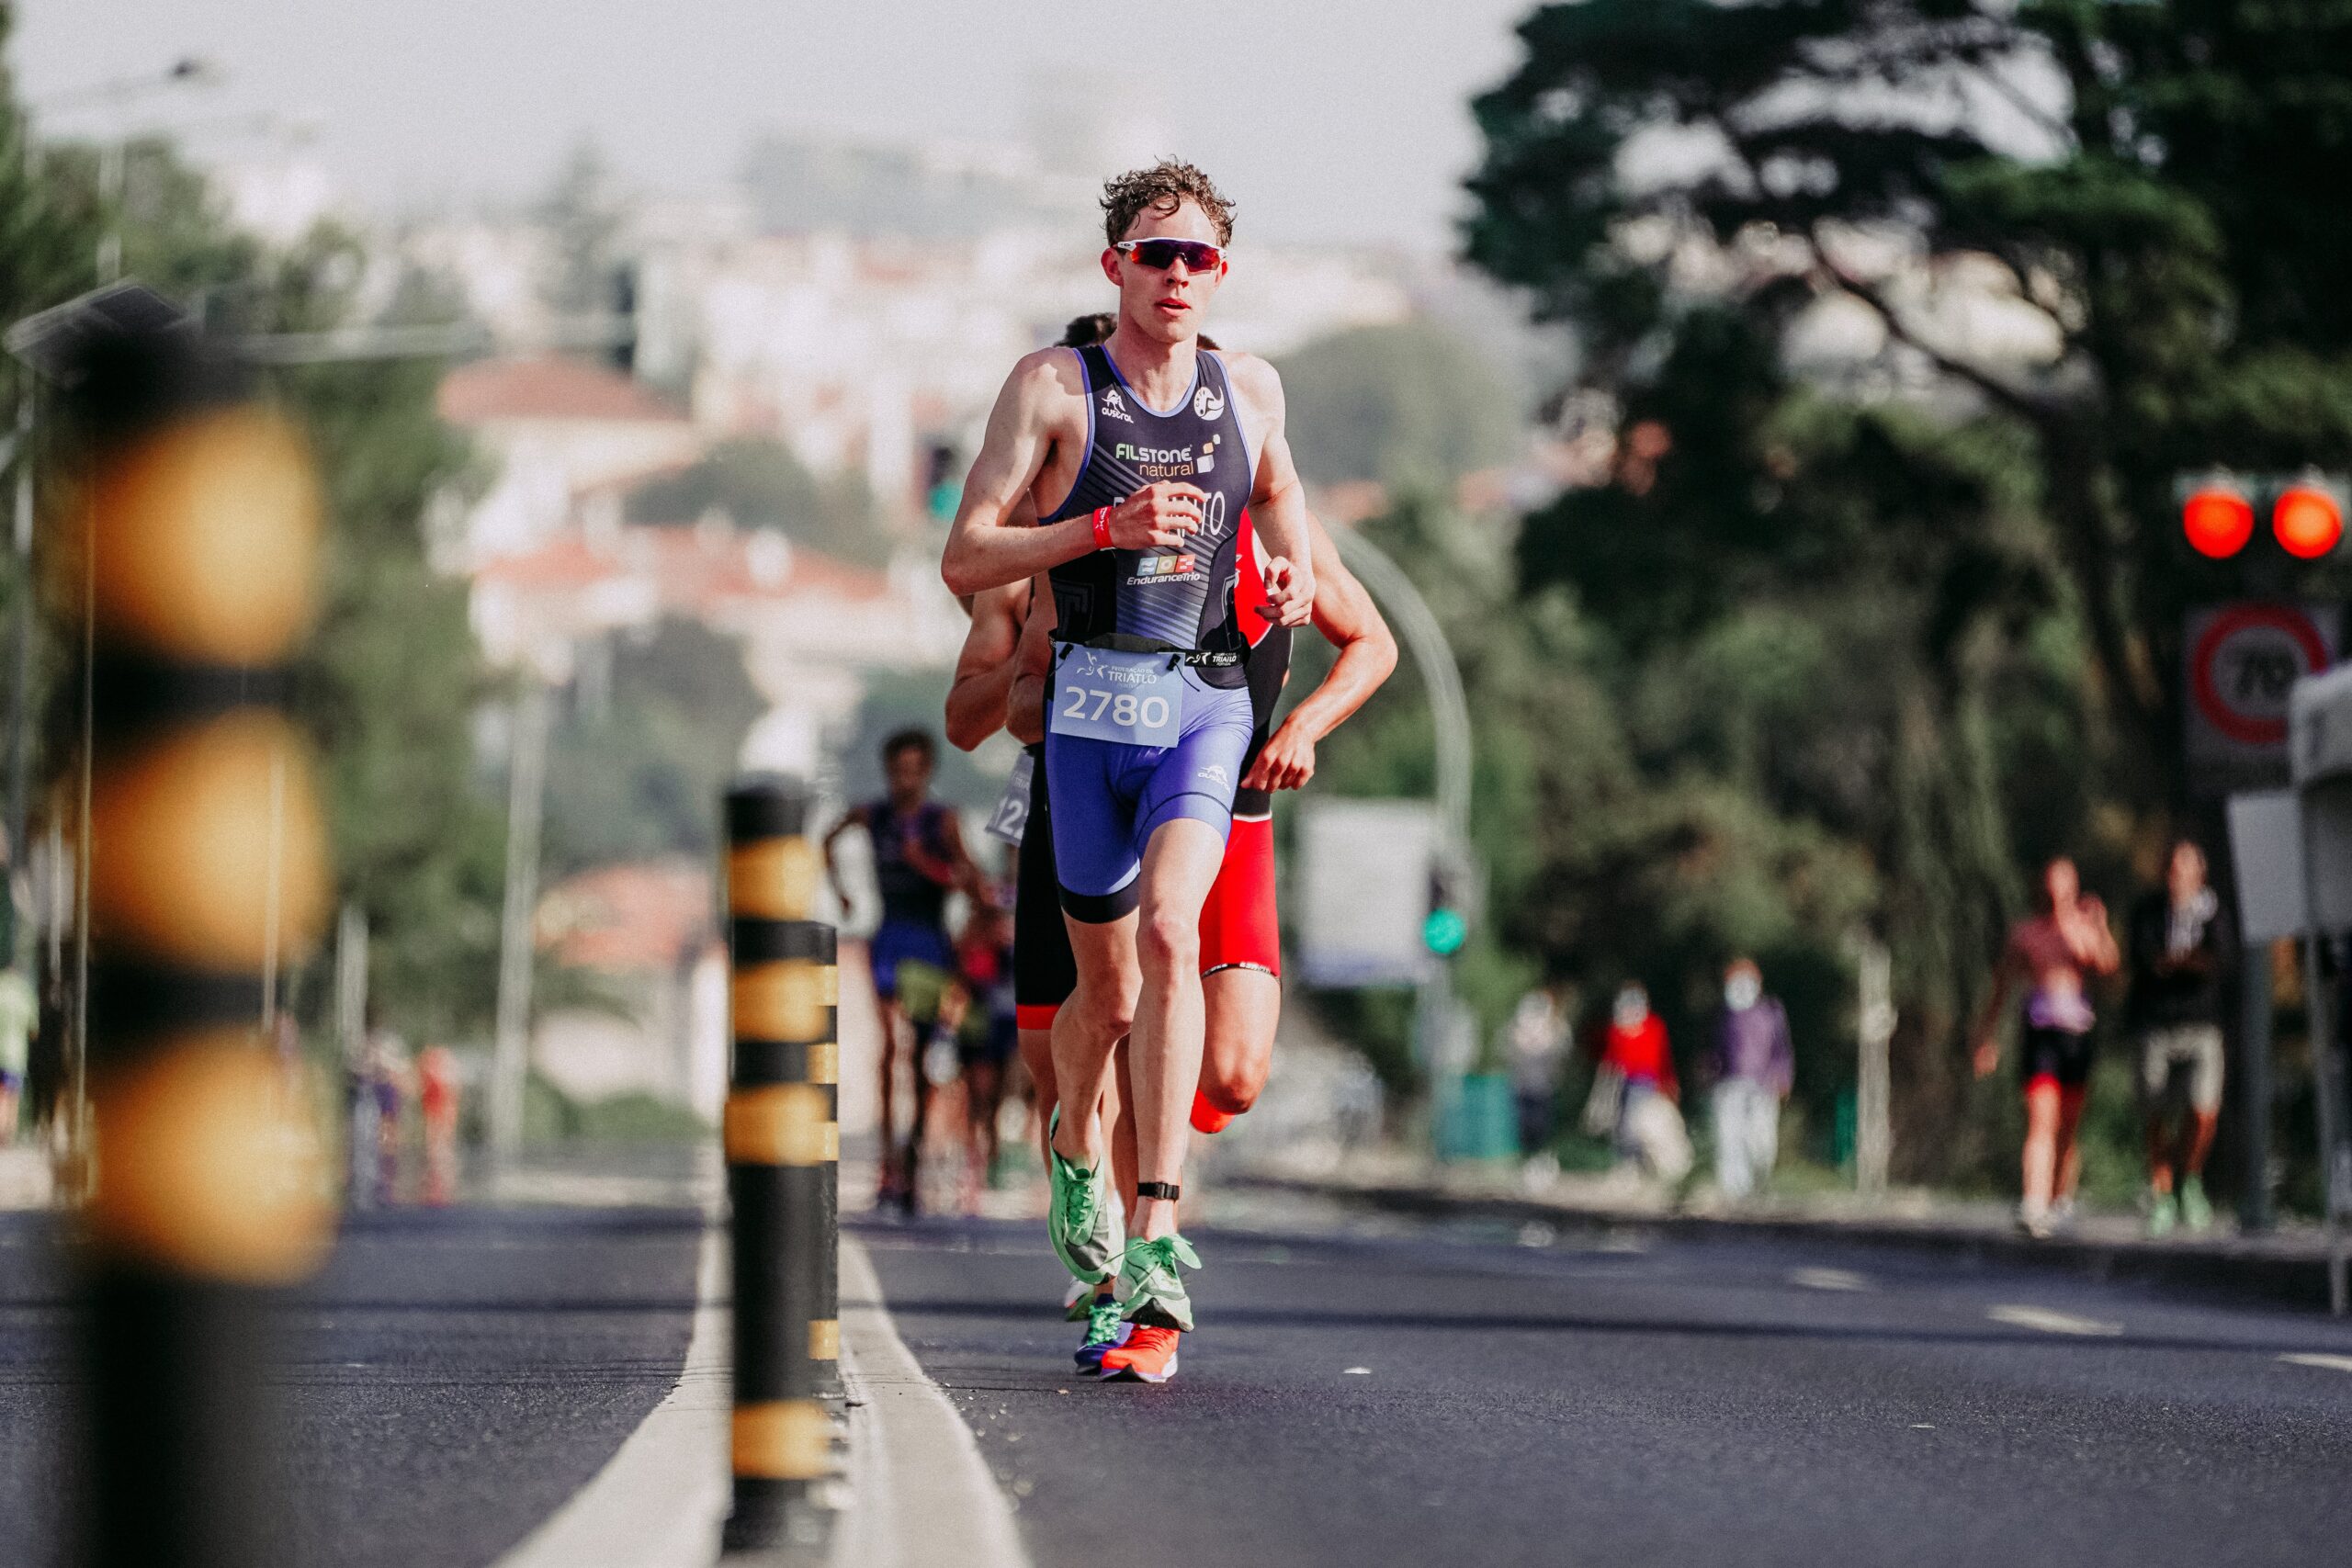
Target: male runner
1149, 720
919, 859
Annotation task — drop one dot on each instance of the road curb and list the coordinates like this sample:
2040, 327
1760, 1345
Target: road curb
2268, 1270
920, 1492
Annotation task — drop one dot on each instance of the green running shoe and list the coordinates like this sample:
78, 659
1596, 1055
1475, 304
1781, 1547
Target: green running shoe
1106, 1330
2195, 1212
2163, 1214
1149, 1290
1079, 1221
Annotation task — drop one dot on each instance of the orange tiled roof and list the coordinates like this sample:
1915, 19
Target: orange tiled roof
628, 918
694, 572
550, 387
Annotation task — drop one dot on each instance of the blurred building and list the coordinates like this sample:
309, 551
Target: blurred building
558, 429
862, 301
645, 937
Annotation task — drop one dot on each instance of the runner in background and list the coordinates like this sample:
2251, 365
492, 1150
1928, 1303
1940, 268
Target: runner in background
2184, 951
919, 860
2049, 957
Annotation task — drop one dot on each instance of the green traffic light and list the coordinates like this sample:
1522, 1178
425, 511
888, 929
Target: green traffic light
1444, 931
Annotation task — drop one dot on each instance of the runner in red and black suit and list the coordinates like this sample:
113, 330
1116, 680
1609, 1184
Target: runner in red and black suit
1240, 954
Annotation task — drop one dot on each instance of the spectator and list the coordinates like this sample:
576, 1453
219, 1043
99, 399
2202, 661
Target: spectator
437, 1100
1755, 1066
1649, 1120
2183, 949
1534, 1042
20, 1010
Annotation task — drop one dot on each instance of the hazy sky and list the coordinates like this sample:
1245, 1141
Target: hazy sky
1345, 118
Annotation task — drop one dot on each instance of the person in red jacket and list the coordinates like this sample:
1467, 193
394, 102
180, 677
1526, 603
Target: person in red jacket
1649, 1122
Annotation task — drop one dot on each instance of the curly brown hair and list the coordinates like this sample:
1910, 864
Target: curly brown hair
1163, 187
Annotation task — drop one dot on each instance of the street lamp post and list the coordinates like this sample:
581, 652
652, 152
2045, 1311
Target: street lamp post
1418, 628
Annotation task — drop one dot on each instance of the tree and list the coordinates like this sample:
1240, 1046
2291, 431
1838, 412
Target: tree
1923, 609
2155, 179
1409, 404
758, 484
582, 212
390, 679
643, 778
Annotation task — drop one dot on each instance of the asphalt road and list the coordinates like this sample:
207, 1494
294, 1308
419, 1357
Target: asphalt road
450, 1380
1406, 1395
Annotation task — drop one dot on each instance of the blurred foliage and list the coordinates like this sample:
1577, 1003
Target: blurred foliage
389, 682
758, 484
553, 1117
1832, 652
585, 219
640, 775
1406, 404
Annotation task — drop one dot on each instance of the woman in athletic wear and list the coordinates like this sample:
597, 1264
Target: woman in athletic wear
2049, 958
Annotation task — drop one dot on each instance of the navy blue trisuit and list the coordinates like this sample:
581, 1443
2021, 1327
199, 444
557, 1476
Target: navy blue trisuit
1162, 616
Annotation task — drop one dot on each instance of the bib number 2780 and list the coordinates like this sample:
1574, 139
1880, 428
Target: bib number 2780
1136, 699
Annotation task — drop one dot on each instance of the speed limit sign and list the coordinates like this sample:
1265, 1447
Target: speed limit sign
2242, 660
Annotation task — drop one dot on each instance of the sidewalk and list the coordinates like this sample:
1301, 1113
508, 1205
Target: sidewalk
2287, 1266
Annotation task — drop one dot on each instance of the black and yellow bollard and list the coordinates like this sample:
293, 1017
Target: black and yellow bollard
205, 849
783, 1142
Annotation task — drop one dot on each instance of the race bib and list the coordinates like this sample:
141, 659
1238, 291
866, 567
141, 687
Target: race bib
1010, 817
1136, 699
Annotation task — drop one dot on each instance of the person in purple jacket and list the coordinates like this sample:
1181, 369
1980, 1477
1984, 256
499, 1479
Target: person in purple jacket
1755, 1064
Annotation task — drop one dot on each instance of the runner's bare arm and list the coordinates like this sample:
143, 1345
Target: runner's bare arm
988, 547
2094, 942
1347, 619
985, 667
1988, 1022
1277, 501
964, 869
1025, 714
853, 818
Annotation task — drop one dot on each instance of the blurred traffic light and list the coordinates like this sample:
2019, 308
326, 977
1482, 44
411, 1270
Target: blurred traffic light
2217, 519
1447, 925
2218, 512
2308, 520
941, 492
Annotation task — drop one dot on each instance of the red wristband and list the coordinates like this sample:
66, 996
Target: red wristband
1102, 528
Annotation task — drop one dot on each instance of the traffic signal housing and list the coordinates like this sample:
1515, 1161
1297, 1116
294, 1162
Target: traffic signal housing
2218, 512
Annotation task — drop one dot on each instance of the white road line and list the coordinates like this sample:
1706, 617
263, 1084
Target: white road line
947, 1509
658, 1502
2318, 1359
1828, 1279
2049, 1322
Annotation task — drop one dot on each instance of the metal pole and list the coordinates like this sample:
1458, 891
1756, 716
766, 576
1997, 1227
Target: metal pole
526, 789
1873, 1078
2326, 1081
782, 1135
20, 680
2254, 1084
1418, 628
2319, 1002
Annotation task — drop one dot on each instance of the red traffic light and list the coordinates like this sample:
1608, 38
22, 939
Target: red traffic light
2218, 522
2307, 521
